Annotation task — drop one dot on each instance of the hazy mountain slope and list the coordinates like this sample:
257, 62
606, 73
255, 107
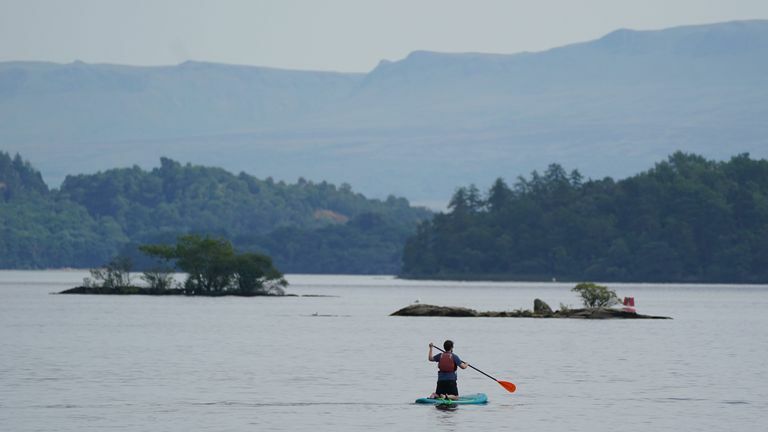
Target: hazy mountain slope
83, 102
416, 127
81, 117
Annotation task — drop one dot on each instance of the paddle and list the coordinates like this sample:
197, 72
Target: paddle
510, 387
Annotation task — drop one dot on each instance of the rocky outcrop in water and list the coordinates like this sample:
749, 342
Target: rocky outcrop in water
449, 311
541, 308
432, 310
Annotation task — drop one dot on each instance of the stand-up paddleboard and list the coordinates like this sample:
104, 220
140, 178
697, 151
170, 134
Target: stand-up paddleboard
470, 399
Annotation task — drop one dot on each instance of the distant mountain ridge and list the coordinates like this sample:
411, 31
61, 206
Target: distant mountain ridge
415, 127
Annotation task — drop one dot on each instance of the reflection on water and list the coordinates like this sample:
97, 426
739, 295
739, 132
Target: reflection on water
73, 363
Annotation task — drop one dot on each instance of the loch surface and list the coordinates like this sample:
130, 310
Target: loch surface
341, 363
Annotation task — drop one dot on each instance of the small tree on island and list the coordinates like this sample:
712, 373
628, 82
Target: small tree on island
114, 274
213, 267
596, 296
159, 278
255, 273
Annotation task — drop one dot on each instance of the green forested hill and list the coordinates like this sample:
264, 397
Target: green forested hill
687, 219
307, 227
40, 229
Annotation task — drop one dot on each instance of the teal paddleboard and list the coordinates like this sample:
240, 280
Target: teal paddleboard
470, 399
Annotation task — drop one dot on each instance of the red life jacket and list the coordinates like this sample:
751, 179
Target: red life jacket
446, 363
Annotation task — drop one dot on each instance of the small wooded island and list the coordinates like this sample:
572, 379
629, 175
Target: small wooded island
212, 266
597, 301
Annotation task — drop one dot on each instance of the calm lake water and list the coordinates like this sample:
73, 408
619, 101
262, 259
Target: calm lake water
136, 363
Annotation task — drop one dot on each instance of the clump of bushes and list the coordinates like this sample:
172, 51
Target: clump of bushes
116, 274
212, 267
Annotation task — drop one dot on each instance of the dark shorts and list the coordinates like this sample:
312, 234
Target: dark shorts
447, 387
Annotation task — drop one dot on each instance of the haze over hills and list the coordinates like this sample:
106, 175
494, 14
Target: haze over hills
417, 127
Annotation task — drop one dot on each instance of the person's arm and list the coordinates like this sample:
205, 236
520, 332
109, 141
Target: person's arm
462, 364
430, 351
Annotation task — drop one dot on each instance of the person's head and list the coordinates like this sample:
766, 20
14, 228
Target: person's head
448, 345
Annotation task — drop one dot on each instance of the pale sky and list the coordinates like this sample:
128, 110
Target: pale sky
341, 35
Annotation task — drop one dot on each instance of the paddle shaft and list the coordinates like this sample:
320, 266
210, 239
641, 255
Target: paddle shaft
470, 366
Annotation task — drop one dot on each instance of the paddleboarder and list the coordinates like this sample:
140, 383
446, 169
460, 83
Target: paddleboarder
447, 365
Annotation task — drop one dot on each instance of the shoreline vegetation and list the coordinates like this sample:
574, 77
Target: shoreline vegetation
495, 277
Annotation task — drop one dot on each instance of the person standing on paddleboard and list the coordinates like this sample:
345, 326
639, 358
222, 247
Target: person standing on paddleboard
447, 365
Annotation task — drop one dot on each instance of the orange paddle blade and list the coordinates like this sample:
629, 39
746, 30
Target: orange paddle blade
508, 385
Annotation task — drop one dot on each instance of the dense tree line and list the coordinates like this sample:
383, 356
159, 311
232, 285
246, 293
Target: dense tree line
687, 219
368, 244
40, 229
309, 227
